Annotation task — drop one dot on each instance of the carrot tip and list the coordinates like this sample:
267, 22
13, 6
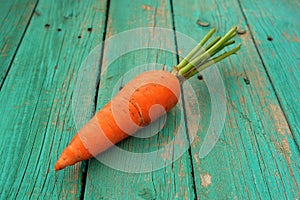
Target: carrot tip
57, 167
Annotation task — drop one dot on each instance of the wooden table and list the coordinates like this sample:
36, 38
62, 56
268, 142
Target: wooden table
42, 46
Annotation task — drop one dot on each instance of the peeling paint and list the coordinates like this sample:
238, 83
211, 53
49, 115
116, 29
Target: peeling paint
205, 179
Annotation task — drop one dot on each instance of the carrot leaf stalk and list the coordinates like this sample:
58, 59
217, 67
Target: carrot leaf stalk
202, 57
196, 49
213, 61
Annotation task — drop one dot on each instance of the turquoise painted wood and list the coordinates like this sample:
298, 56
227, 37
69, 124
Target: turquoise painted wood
42, 46
277, 37
14, 18
35, 100
253, 158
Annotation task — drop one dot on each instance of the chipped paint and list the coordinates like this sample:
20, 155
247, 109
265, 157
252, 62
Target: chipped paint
206, 179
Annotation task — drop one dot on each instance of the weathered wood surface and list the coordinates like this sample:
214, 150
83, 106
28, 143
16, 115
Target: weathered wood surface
277, 38
257, 155
14, 19
35, 99
43, 45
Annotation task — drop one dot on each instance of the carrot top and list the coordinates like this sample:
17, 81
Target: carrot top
202, 56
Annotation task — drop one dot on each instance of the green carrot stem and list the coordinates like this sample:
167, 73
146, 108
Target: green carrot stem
196, 49
213, 61
212, 43
227, 37
194, 62
206, 48
230, 42
219, 49
211, 51
220, 57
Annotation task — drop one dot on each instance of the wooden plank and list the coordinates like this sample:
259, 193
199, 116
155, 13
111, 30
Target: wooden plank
173, 181
35, 100
256, 156
275, 27
14, 17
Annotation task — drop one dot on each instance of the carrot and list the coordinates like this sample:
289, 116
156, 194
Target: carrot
140, 102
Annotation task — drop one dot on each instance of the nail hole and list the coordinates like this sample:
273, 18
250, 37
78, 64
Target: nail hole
121, 87
200, 77
247, 81
270, 38
59, 29
47, 25
37, 13
79, 36
90, 29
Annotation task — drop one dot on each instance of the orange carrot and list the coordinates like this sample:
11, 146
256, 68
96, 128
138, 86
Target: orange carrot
133, 101
143, 100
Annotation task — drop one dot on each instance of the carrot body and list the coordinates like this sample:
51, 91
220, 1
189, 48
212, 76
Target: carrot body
140, 102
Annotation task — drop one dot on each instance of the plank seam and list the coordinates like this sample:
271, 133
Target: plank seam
85, 164
183, 105
19, 44
268, 74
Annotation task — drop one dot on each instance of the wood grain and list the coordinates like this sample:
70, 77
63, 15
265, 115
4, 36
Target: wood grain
35, 100
256, 156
